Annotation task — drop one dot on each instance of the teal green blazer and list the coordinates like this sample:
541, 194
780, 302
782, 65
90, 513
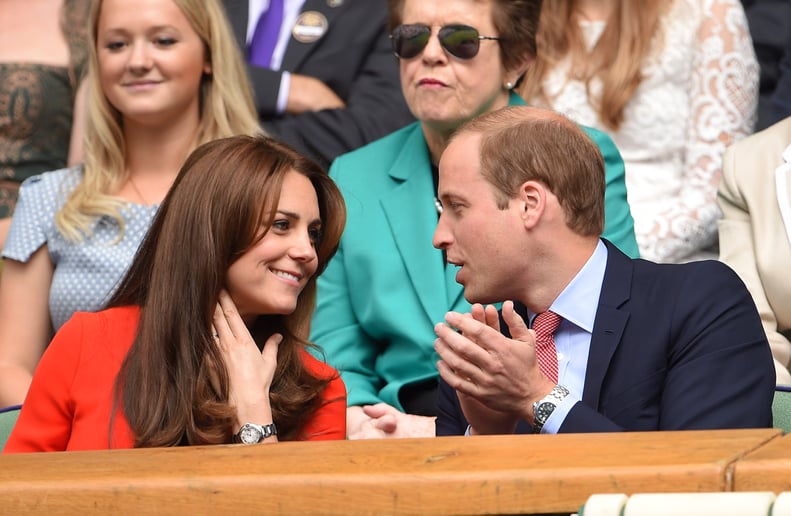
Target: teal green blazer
386, 288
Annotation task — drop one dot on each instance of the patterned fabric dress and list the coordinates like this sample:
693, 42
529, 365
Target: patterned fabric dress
87, 272
36, 104
698, 95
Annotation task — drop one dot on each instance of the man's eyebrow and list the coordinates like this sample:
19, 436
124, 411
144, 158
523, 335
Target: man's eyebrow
449, 193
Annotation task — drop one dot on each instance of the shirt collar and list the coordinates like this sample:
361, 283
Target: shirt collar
578, 302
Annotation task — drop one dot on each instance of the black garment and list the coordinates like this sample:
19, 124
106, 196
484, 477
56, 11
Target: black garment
770, 28
420, 398
353, 57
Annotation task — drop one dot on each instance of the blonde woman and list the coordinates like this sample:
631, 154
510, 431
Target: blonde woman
164, 76
673, 83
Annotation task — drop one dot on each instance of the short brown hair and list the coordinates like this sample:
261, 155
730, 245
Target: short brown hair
522, 143
516, 22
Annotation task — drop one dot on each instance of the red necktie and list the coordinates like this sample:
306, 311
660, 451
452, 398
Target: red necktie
545, 325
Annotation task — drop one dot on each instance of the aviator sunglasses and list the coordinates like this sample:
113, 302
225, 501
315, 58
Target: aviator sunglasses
461, 41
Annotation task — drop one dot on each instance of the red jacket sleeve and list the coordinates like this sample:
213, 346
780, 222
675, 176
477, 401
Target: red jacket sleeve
329, 421
45, 421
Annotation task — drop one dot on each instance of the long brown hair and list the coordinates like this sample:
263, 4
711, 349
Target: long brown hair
173, 385
616, 59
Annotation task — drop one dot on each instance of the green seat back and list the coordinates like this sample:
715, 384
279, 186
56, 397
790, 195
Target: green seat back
781, 408
7, 420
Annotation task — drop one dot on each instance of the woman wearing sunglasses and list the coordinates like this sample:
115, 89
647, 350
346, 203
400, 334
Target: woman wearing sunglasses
382, 294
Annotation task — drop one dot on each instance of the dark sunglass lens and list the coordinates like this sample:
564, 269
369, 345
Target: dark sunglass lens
460, 40
410, 40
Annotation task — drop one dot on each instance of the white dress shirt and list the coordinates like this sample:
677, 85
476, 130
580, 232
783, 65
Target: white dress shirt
577, 305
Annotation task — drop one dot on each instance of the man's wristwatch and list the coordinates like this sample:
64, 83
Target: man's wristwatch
250, 433
544, 407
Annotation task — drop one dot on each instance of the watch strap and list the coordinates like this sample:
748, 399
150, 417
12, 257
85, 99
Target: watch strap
263, 431
544, 407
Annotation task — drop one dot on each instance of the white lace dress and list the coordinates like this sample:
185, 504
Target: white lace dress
698, 95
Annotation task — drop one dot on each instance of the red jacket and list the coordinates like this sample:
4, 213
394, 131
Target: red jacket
70, 399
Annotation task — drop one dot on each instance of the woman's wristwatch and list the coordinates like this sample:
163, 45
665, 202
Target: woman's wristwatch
250, 433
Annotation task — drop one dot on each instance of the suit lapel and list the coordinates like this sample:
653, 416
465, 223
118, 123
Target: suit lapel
296, 51
783, 188
238, 13
412, 217
610, 322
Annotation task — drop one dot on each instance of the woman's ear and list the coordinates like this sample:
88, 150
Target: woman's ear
513, 76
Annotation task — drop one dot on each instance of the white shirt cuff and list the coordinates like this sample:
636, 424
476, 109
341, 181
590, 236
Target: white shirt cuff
282, 94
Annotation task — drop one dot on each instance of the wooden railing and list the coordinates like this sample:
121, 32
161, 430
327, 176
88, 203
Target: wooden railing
451, 475
766, 469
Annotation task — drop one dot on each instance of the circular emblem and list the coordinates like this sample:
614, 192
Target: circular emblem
309, 27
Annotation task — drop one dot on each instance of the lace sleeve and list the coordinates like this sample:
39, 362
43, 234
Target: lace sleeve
723, 100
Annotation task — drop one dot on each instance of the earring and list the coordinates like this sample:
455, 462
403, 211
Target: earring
509, 85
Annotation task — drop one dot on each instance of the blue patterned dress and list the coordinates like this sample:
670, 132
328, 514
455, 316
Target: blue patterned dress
86, 273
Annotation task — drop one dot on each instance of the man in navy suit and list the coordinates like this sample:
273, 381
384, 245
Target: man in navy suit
332, 84
639, 346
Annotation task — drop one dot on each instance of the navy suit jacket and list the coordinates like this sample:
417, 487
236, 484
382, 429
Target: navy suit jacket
674, 347
354, 58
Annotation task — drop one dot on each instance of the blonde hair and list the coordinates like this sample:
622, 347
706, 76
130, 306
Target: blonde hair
227, 109
616, 59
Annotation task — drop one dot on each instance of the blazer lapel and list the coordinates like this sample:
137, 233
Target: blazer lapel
238, 13
783, 187
412, 217
296, 51
610, 322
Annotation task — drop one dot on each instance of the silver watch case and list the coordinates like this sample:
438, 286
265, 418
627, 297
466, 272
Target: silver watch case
250, 433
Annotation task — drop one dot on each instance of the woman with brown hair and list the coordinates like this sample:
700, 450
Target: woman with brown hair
673, 82
201, 342
164, 77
